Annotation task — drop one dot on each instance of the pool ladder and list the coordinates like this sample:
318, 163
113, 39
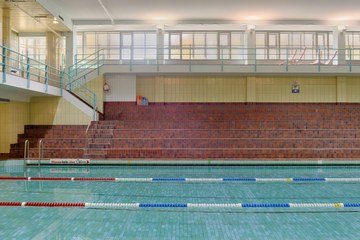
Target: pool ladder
27, 148
26, 151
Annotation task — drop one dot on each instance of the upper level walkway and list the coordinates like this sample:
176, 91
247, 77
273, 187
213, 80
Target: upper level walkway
243, 61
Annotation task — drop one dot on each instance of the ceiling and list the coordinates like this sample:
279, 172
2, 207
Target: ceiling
31, 16
249, 11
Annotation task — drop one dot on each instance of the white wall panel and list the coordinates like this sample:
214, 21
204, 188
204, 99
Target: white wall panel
122, 88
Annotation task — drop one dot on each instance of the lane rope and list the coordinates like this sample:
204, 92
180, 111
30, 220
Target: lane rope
178, 205
240, 180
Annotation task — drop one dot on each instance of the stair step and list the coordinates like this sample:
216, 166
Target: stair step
98, 145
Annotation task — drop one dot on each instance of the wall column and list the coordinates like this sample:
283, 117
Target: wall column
250, 89
52, 50
6, 28
160, 43
339, 43
341, 89
250, 44
69, 60
159, 89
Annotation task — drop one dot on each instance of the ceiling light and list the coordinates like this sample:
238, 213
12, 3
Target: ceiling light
55, 21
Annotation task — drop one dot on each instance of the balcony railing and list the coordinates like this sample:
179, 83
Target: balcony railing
285, 58
20, 65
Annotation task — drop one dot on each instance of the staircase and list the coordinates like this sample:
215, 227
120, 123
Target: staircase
98, 139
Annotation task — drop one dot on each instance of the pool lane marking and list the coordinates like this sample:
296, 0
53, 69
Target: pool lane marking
176, 179
178, 205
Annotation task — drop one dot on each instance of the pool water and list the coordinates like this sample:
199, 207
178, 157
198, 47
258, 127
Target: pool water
173, 223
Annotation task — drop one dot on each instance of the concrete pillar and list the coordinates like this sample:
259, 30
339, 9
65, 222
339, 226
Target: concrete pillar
69, 58
251, 44
51, 49
160, 32
6, 28
339, 43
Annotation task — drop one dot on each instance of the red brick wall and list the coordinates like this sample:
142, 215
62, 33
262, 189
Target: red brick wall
206, 131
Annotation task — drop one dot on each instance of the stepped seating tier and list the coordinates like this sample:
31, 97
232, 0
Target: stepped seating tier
206, 131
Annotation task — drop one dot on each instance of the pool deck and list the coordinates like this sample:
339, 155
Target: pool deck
322, 162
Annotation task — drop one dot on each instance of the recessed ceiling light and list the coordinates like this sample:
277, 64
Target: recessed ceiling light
55, 21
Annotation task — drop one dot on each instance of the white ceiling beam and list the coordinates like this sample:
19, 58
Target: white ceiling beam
57, 12
106, 11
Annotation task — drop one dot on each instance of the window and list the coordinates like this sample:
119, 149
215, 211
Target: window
33, 47
204, 45
117, 45
352, 44
282, 45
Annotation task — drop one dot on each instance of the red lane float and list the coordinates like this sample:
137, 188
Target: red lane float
40, 204
54, 179
12, 178
10, 204
50, 179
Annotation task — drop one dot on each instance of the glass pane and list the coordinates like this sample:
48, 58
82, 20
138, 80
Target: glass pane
125, 53
260, 54
89, 39
199, 39
273, 54
211, 40
126, 39
175, 39
151, 40
114, 53
114, 39
224, 39
166, 40
186, 53
236, 39
175, 53
237, 53
296, 40
187, 40
356, 42
150, 53
260, 40
273, 40
284, 40
211, 53
139, 39
79, 39
199, 53
309, 40
102, 39
139, 53
224, 53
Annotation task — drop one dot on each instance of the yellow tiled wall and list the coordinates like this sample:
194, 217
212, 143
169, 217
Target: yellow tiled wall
352, 89
13, 117
192, 89
96, 85
312, 89
246, 89
55, 110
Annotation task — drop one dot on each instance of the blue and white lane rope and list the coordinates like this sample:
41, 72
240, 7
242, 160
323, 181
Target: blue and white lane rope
179, 205
222, 205
240, 180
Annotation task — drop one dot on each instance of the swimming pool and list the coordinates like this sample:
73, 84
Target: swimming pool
177, 222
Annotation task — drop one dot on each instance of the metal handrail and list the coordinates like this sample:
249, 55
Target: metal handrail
26, 151
41, 150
